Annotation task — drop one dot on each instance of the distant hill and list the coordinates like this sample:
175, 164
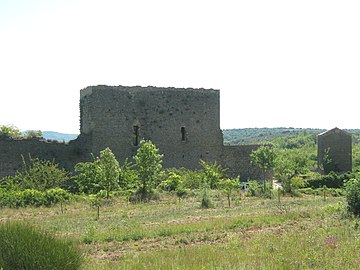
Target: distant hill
52, 135
258, 135
231, 136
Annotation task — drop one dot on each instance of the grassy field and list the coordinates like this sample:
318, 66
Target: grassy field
299, 233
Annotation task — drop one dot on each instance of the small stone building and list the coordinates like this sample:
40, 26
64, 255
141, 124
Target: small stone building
334, 151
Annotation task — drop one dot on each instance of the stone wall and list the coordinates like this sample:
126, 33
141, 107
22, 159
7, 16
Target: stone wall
66, 154
237, 159
183, 123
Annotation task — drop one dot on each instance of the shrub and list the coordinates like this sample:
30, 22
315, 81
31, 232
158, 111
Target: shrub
205, 198
331, 180
254, 188
171, 183
56, 195
32, 197
352, 193
25, 247
36, 174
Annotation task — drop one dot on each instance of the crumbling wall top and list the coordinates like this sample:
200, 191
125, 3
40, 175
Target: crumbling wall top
89, 90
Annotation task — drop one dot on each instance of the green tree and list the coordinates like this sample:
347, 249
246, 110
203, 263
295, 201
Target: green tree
212, 172
228, 186
10, 131
103, 173
87, 177
109, 171
264, 157
33, 134
149, 165
288, 166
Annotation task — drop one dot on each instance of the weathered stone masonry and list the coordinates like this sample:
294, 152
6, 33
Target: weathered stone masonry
183, 123
335, 151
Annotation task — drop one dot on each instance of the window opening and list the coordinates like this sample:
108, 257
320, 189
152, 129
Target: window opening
136, 134
183, 134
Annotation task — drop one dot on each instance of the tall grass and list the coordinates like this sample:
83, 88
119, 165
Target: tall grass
300, 233
22, 246
325, 245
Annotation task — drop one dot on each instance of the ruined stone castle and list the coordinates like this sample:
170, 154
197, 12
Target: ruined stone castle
183, 123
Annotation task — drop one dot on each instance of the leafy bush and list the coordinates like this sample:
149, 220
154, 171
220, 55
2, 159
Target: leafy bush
334, 192
36, 174
32, 197
212, 173
56, 195
352, 193
171, 183
307, 191
25, 247
190, 179
254, 188
331, 180
10, 131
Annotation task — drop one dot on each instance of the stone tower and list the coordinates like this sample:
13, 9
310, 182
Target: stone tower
183, 123
335, 151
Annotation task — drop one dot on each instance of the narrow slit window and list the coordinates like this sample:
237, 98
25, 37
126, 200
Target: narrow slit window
136, 135
183, 134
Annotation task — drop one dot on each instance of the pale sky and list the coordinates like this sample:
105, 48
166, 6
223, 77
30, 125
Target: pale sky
277, 63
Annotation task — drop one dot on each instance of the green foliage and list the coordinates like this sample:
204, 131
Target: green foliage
103, 173
87, 177
149, 166
254, 188
32, 197
181, 192
190, 179
97, 200
56, 195
303, 139
171, 183
352, 193
356, 153
128, 176
288, 168
212, 173
331, 180
109, 171
264, 157
228, 186
205, 197
265, 135
10, 131
38, 175
33, 134
25, 247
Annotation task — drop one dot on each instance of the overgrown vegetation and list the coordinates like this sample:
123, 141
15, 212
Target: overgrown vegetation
255, 233
14, 133
352, 188
182, 216
25, 247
